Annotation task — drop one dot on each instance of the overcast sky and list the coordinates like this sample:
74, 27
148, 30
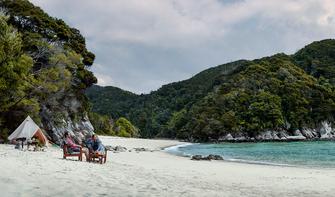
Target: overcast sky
141, 45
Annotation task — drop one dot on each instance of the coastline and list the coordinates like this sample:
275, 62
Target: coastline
286, 161
154, 173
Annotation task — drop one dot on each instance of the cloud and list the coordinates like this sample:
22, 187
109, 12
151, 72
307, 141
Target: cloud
104, 80
141, 45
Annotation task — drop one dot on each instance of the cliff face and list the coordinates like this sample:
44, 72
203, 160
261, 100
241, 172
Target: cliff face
324, 132
79, 131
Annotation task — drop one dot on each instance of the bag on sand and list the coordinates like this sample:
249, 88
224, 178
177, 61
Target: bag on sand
17, 146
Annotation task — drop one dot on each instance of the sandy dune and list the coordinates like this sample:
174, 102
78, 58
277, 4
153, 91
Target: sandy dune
25, 173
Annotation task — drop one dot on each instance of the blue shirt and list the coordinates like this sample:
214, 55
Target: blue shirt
95, 145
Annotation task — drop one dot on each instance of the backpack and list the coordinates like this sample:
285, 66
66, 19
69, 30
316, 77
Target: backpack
17, 146
69, 149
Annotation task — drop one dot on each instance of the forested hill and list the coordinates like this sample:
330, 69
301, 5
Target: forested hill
110, 100
151, 111
318, 60
242, 97
117, 102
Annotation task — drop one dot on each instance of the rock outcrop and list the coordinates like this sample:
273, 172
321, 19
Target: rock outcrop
210, 157
116, 148
324, 132
79, 131
140, 149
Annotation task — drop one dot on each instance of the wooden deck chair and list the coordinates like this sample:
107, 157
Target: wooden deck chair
68, 151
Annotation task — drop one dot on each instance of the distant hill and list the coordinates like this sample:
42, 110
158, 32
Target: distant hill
156, 108
277, 92
110, 100
318, 59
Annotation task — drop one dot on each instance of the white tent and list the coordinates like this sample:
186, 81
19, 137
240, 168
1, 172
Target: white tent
29, 129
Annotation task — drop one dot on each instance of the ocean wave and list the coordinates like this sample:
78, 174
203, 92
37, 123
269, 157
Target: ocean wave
174, 150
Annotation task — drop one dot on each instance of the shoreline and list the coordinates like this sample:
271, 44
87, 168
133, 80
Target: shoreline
154, 173
237, 141
181, 154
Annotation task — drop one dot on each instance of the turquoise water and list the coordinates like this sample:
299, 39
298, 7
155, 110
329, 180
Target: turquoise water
303, 154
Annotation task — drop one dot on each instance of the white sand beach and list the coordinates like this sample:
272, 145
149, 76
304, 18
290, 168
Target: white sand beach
26, 173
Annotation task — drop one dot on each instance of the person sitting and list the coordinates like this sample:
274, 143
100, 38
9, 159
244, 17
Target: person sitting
76, 148
95, 144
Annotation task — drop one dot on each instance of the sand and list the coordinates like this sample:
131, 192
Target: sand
26, 173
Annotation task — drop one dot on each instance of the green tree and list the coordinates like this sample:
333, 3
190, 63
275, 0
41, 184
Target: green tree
14, 68
124, 128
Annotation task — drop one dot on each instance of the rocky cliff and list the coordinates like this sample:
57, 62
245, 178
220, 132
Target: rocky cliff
79, 131
324, 132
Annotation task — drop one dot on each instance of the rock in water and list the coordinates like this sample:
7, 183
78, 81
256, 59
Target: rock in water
196, 157
210, 157
215, 157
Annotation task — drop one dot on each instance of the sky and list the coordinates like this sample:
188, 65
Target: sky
141, 45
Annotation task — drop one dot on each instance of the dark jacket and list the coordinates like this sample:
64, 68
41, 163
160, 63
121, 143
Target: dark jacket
96, 146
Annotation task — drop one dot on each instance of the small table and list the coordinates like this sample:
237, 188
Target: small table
31, 143
22, 139
93, 156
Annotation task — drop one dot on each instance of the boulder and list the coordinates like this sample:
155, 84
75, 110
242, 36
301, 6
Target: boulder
229, 137
210, 157
267, 135
215, 157
275, 137
205, 158
297, 136
315, 133
120, 149
282, 134
110, 148
259, 137
308, 133
240, 139
325, 130
116, 148
141, 149
283, 138
196, 157
222, 138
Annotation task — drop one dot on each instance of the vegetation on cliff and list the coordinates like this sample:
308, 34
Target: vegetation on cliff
44, 70
43, 67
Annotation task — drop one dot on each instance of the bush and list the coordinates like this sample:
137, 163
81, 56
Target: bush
5, 133
123, 133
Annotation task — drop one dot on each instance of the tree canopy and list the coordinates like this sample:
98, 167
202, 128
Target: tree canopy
43, 68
